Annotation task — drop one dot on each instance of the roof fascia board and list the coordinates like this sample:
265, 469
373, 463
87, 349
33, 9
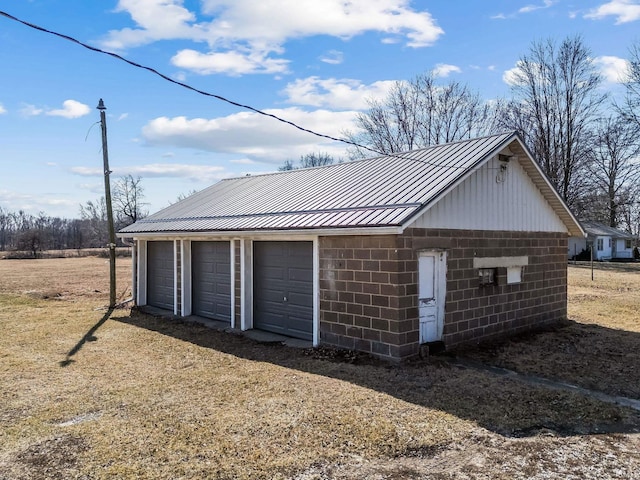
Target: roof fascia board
407, 223
253, 234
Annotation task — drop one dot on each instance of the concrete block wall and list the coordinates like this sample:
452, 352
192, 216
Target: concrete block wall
474, 313
364, 295
369, 288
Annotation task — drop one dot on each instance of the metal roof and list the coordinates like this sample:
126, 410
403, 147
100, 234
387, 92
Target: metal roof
379, 192
595, 229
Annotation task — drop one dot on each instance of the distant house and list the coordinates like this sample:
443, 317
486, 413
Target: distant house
608, 243
453, 244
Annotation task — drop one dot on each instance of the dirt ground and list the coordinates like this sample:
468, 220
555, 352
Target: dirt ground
84, 394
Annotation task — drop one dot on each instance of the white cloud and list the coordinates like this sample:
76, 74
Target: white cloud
342, 94
524, 10
206, 173
2, 109
123, 116
624, 10
242, 161
513, 75
533, 8
180, 77
156, 19
28, 110
613, 69
252, 135
232, 63
443, 70
34, 203
332, 57
70, 109
241, 31
97, 188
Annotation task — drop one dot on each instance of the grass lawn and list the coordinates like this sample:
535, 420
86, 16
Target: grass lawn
83, 395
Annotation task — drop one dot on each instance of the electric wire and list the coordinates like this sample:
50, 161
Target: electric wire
220, 97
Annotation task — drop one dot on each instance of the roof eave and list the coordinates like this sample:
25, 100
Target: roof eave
300, 232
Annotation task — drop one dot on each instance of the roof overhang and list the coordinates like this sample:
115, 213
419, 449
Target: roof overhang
315, 232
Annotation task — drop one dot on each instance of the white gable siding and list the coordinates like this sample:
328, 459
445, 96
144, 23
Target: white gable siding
483, 202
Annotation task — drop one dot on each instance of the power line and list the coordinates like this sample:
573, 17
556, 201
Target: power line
218, 97
182, 84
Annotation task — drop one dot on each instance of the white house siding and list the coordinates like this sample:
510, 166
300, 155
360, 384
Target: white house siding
491, 200
621, 251
576, 245
602, 247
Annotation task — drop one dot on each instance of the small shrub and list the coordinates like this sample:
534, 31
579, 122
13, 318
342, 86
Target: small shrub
584, 255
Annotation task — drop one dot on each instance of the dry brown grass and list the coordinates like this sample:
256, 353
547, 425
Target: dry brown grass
134, 396
610, 300
598, 348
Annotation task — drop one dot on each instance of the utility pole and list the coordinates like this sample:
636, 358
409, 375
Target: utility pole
107, 198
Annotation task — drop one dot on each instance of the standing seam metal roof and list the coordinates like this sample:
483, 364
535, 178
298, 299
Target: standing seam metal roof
380, 191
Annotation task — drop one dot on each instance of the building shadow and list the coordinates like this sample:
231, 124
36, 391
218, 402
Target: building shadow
88, 337
503, 405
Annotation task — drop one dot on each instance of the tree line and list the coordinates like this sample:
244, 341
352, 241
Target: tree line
35, 233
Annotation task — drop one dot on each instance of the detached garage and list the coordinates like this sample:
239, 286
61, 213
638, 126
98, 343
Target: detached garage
453, 244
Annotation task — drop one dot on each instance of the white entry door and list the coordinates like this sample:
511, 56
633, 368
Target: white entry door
432, 278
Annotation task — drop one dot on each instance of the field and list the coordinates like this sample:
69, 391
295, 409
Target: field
87, 393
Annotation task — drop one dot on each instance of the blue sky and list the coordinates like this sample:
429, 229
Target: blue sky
311, 62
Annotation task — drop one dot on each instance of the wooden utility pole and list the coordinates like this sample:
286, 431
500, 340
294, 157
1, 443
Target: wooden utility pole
107, 199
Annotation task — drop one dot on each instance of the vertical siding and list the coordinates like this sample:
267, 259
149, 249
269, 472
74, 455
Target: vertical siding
484, 202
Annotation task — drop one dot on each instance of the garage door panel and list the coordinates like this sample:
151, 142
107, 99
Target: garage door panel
160, 274
283, 287
211, 280
295, 274
300, 299
273, 295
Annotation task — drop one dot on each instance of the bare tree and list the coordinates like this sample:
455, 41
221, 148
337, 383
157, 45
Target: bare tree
307, 161
95, 216
182, 196
555, 99
630, 108
5, 229
419, 113
286, 166
613, 165
127, 199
